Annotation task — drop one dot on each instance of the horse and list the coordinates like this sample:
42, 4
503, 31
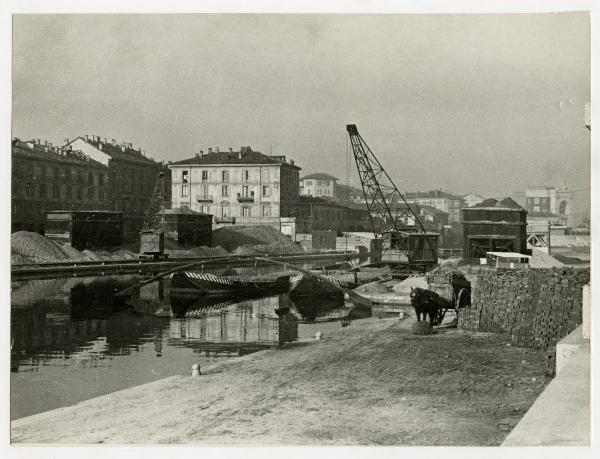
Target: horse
426, 303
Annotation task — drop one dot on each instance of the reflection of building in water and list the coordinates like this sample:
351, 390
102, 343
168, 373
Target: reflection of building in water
251, 321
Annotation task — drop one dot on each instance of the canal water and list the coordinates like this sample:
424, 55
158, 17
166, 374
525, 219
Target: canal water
72, 339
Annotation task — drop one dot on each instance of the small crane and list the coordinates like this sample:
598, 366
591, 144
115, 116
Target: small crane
400, 243
152, 236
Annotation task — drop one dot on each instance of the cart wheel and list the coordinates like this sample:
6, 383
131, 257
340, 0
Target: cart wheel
439, 316
464, 298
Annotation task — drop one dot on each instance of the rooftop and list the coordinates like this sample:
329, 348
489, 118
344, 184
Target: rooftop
491, 203
36, 150
124, 151
319, 176
431, 194
245, 156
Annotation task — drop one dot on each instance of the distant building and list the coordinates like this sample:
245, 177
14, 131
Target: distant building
472, 199
319, 185
348, 195
441, 200
246, 186
554, 204
47, 177
321, 214
132, 177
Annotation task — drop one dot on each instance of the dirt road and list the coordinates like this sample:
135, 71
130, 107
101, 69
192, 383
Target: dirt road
372, 383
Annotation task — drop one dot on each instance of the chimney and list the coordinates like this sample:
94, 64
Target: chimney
66, 141
123, 146
114, 142
130, 145
216, 149
292, 162
100, 146
38, 141
230, 150
209, 150
197, 155
50, 145
144, 152
45, 143
104, 140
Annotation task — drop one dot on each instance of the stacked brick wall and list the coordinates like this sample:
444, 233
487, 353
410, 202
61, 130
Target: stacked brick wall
537, 307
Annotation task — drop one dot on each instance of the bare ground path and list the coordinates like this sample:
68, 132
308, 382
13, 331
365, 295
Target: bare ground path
371, 383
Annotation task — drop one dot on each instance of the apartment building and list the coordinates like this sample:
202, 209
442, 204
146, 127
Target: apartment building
133, 176
46, 177
244, 187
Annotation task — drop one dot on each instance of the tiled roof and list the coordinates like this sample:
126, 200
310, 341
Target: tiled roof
506, 203
38, 151
234, 157
116, 152
319, 176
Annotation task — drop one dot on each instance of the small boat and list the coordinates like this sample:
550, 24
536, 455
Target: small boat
193, 283
303, 285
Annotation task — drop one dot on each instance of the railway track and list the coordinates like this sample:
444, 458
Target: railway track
84, 268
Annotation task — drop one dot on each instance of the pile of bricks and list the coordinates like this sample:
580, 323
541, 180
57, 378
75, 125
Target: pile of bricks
537, 307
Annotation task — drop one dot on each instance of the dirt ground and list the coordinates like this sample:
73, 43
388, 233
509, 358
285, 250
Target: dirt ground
372, 383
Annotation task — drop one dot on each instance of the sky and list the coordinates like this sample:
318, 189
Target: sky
488, 104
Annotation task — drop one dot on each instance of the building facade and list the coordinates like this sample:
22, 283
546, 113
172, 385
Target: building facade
446, 202
47, 178
314, 214
132, 177
245, 187
319, 185
554, 203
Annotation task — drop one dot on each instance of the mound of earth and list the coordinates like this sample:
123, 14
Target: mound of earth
254, 240
29, 247
371, 287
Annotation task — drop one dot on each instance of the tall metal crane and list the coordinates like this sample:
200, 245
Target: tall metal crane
389, 211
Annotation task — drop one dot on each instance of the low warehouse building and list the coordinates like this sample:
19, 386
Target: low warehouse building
187, 227
85, 229
494, 226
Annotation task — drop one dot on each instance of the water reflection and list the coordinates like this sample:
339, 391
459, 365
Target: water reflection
72, 339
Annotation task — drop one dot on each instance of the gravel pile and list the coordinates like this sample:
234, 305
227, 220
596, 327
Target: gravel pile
412, 281
28, 247
254, 240
372, 287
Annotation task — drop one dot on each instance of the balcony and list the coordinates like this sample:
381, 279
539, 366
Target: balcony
203, 198
246, 198
225, 220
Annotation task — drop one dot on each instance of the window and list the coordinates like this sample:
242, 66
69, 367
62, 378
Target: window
309, 183
245, 175
28, 190
245, 191
55, 191
43, 190
184, 190
205, 209
68, 193
266, 191
100, 195
266, 211
90, 194
536, 208
205, 176
224, 176
90, 179
225, 191
37, 171
204, 191
276, 185
536, 201
224, 210
245, 211
184, 176
79, 193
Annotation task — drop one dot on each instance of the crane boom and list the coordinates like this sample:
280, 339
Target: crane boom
388, 209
